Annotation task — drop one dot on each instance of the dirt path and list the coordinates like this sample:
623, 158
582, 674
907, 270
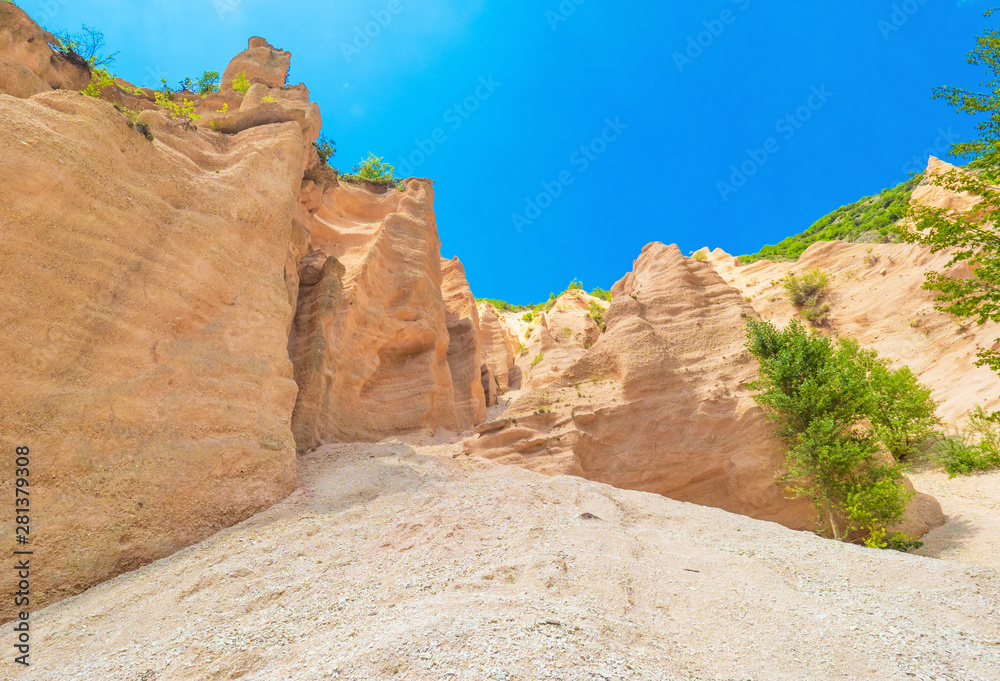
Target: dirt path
398, 561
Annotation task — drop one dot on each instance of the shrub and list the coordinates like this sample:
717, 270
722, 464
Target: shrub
807, 292
241, 84
700, 256
602, 294
184, 109
86, 45
143, 127
375, 170
538, 359
528, 317
575, 286
596, 312
325, 148
975, 449
841, 411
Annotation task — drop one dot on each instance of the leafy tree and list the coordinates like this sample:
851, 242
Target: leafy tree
830, 402
206, 85
972, 236
326, 148
375, 170
602, 294
575, 286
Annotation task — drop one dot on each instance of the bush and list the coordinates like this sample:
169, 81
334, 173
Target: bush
807, 292
184, 109
538, 359
841, 411
501, 306
325, 148
528, 317
700, 256
975, 449
575, 286
241, 84
87, 45
206, 85
596, 312
602, 294
373, 169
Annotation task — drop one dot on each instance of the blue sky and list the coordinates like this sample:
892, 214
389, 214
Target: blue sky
563, 136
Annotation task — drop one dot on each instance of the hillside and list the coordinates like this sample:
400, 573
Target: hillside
868, 220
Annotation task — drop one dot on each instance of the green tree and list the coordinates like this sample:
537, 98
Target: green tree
325, 148
828, 400
973, 235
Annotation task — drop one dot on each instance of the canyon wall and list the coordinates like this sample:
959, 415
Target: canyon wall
186, 308
660, 403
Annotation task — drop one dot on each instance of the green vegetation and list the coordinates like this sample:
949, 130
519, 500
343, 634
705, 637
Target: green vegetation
538, 308
700, 256
325, 148
86, 45
843, 414
538, 359
596, 312
975, 449
872, 219
184, 109
206, 85
973, 236
502, 306
376, 171
575, 286
807, 292
602, 294
528, 317
241, 84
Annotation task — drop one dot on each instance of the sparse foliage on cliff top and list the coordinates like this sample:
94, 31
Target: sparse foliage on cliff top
376, 170
206, 85
87, 45
845, 416
972, 235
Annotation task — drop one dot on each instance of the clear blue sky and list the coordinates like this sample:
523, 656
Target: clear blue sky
556, 78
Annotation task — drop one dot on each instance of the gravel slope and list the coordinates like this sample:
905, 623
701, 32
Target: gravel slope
396, 561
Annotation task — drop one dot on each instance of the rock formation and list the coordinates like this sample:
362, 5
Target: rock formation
660, 403
497, 344
158, 300
876, 296
148, 373
28, 65
463, 348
